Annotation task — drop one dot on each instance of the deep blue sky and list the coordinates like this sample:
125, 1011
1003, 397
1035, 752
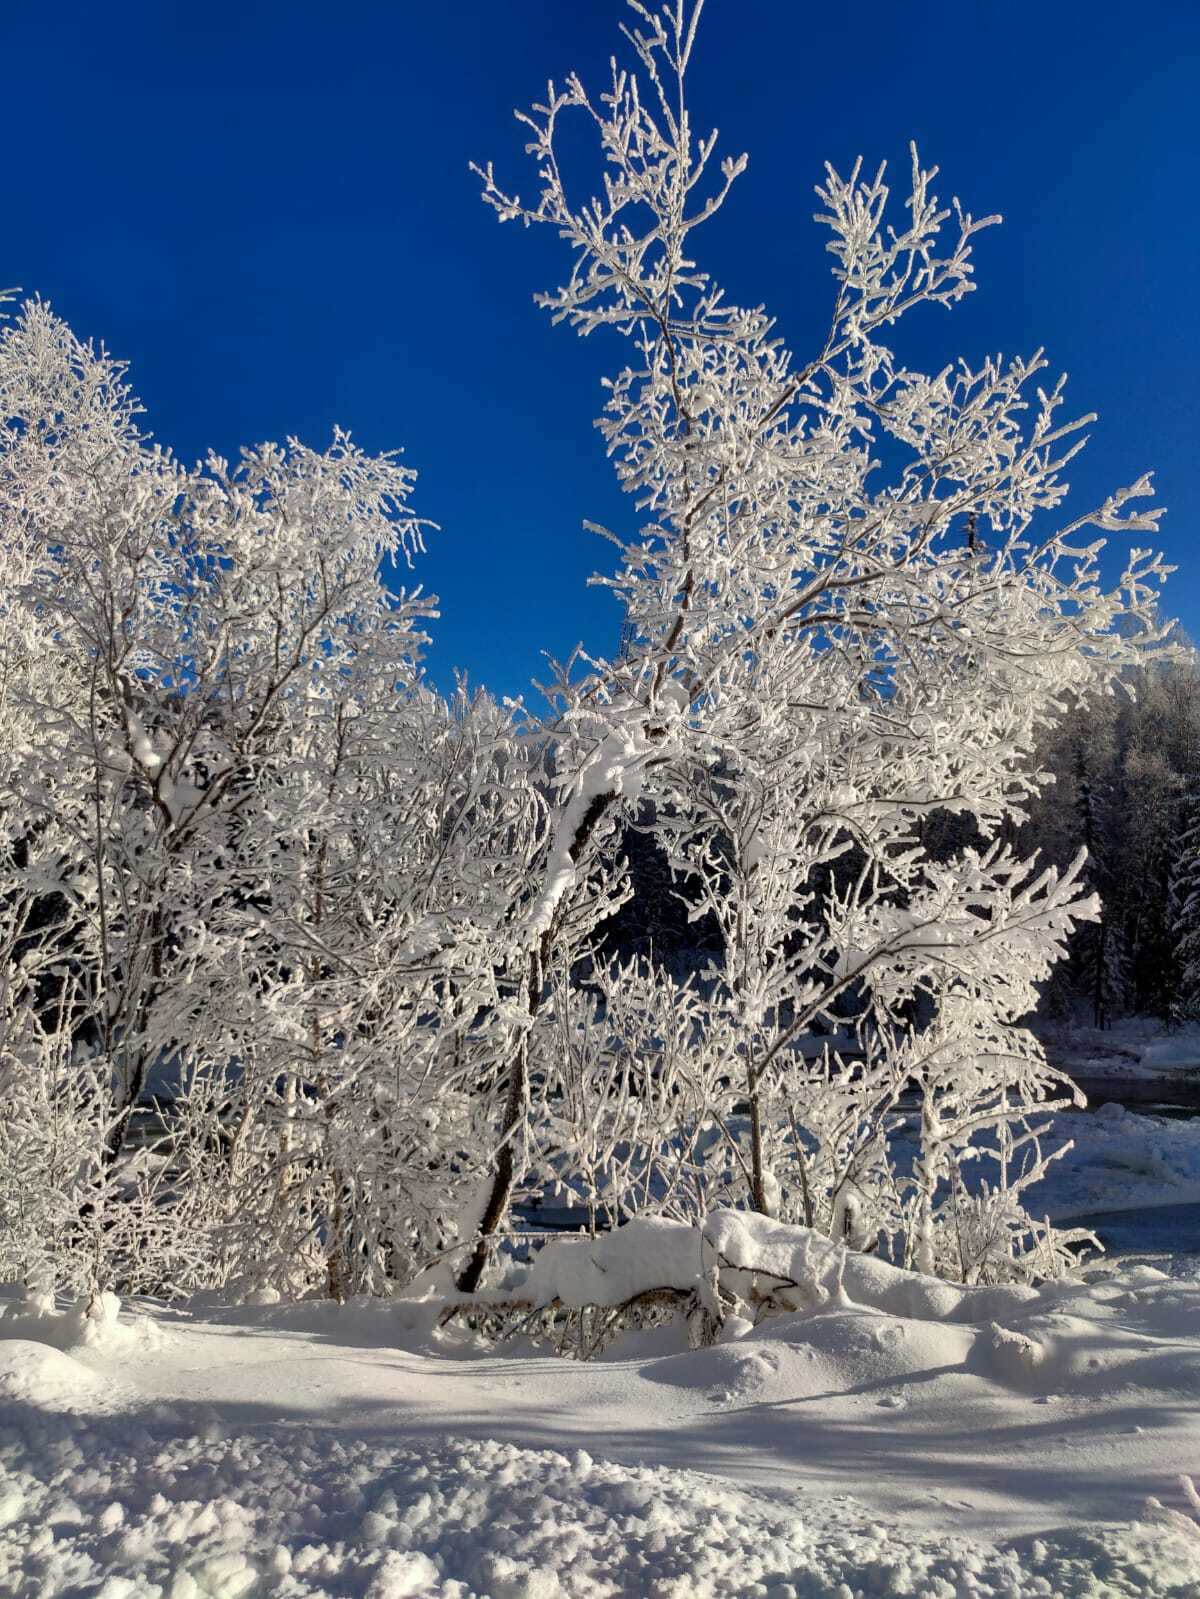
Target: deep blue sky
266, 209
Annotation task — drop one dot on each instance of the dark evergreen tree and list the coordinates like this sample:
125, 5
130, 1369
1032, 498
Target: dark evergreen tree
1185, 910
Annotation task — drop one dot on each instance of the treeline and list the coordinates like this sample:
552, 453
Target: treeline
1126, 786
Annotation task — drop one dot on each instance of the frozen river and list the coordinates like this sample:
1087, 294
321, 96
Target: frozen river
1174, 1229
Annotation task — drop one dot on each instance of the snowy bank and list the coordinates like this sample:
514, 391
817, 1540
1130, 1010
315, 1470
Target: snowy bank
1121, 1159
892, 1434
1134, 1049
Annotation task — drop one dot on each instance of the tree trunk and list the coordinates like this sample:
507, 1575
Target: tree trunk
758, 1187
496, 1209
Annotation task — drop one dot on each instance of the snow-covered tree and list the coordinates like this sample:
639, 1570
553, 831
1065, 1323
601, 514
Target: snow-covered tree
250, 859
1185, 909
356, 930
1124, 770
823, 649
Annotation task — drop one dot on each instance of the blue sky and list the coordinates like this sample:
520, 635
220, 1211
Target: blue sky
266, 209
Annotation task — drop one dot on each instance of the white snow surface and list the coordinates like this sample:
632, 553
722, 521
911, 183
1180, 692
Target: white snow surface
646, 1253
895, 1436
1121, 1159
300, 1512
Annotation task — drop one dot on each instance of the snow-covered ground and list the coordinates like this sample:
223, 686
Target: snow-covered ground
1121, 1160
1001, 1443
1135, 1049
903, 1437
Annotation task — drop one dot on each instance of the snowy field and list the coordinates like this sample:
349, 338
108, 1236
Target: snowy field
900, 1436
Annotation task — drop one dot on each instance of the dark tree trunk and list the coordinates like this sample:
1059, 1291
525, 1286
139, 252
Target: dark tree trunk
496, 1209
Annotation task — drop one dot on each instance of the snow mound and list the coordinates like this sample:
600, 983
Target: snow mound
92, 1324
857, 1326
751, 1257
36, 1374
299, 1513
1179, 1051
796, 1358
1098, 1343
646, 1253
